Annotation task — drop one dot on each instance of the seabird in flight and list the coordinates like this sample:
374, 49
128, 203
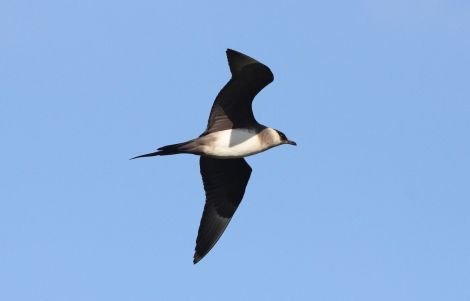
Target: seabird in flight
232, 133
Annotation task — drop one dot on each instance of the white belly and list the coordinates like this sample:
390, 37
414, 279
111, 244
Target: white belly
235, 143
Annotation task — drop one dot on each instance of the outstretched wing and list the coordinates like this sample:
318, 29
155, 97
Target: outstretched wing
232, 106
224, 181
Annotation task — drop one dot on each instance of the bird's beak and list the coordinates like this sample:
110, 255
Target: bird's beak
291, 142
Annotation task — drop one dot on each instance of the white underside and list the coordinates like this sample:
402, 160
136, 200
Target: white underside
234, 143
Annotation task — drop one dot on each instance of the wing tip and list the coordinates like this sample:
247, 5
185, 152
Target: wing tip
237, 60
230, 52
197, 258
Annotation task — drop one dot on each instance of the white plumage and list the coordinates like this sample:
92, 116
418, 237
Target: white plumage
239, 143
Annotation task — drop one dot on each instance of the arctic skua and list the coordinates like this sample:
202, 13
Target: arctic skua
232, 133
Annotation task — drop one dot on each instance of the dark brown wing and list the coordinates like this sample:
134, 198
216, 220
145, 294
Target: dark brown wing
232, 106
224, 181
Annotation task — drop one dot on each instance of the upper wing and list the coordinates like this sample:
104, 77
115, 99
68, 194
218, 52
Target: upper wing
232, 106
224, 181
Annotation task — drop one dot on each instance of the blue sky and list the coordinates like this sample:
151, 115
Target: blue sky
373, 204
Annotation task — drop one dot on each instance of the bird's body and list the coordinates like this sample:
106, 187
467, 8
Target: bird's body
232, 133
239, 143
232, 144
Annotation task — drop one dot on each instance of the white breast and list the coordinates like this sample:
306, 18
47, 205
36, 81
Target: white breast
234, 143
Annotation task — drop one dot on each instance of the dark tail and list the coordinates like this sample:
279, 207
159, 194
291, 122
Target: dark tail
171, 149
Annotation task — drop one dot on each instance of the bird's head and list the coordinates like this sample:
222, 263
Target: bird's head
283, 138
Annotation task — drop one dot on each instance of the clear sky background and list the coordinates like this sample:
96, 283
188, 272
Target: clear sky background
373, 204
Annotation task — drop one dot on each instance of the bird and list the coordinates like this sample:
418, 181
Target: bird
232, 134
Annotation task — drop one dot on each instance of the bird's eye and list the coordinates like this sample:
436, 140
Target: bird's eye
282, 136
